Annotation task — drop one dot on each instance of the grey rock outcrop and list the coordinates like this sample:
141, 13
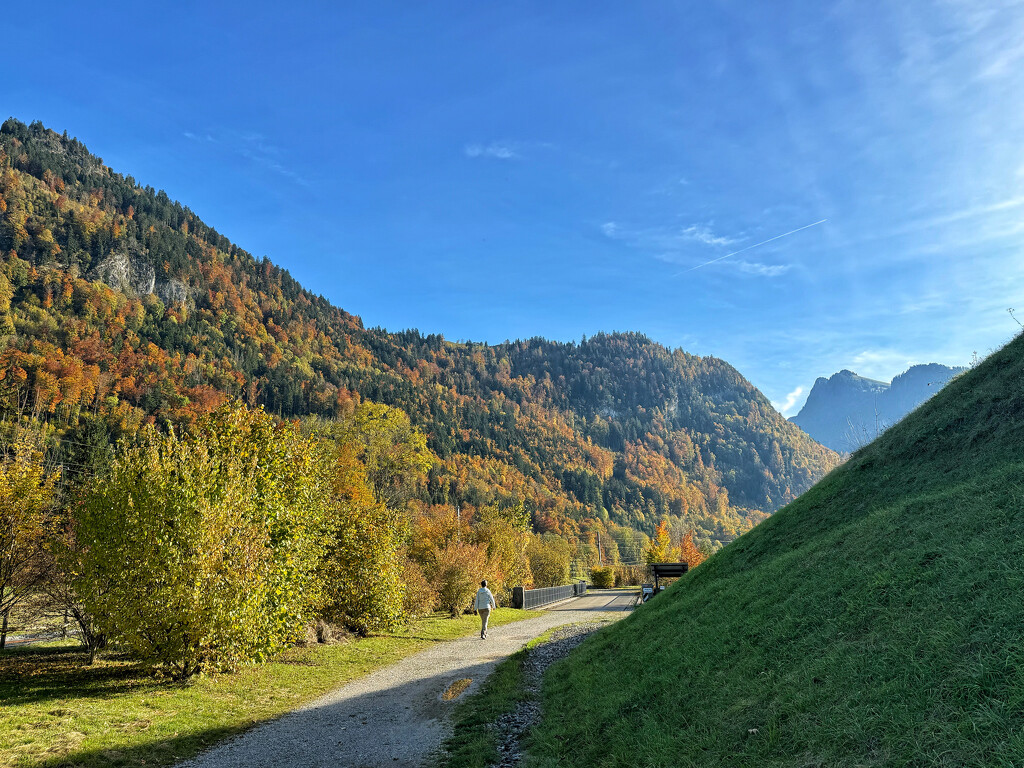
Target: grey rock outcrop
126, 270
171, 291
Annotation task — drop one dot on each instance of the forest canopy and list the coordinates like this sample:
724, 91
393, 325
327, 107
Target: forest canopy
119, 307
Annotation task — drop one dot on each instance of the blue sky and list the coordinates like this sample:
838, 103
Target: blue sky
499, 171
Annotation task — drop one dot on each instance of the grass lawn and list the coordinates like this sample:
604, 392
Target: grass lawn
55, 710
875, 622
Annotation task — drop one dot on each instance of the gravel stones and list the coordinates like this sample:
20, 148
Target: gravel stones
512, 725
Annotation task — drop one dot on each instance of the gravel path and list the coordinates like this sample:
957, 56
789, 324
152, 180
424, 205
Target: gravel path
39, 637
395, 716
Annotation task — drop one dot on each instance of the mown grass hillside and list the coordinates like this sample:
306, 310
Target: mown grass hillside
878, 620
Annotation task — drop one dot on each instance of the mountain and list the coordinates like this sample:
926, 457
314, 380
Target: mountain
120, 306
875, 621
846, 411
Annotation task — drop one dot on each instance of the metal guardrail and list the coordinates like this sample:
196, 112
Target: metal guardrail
537, 598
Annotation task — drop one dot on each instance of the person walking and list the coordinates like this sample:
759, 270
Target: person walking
483, 604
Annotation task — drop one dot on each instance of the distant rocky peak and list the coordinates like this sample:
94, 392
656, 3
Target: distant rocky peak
847, 410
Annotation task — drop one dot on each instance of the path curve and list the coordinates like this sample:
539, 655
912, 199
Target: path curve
394, 716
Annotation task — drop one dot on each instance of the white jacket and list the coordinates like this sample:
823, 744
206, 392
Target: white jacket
484, 599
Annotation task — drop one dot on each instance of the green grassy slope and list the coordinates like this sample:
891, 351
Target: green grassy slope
877, 620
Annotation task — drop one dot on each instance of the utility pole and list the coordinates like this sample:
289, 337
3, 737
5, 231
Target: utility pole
600, 556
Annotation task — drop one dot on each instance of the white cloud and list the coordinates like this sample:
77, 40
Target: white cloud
671, 244
787, 405
496, 149
702, 233
763, 270
956, 216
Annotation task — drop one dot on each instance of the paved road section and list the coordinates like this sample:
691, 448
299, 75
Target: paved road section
600, 600
395, 716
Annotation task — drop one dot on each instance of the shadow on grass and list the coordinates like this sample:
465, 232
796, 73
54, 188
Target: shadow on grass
31, 675
166, 751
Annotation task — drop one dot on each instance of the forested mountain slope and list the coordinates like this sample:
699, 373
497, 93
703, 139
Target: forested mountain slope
118, 306
875, 621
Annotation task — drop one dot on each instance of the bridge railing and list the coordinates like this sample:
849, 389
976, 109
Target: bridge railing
537, 598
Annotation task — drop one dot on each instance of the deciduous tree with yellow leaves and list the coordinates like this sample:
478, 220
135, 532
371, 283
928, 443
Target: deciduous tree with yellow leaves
26, 496
660, 549
199, 550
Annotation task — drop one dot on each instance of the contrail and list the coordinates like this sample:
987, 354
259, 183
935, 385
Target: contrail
755, 245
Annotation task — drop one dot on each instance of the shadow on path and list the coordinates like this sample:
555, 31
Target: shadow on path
392, 717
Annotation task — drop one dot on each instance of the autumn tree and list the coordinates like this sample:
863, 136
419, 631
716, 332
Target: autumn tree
549, 557
199, 550
26, 496
689, 553
68, 594
361, 574
378, 460
632, 544
435, 525
505, 531
392, 451
420, 594
456, 572
660, 549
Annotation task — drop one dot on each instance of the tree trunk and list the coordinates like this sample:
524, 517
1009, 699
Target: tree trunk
3, 631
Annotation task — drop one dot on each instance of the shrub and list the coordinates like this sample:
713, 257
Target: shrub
68, 595
549, 557
26, 495
602, 578
361, 573
198, 552
630, 575
506, 532
379, 459
455, 572
420, 595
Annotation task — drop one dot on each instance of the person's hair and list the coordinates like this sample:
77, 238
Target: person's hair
483, 583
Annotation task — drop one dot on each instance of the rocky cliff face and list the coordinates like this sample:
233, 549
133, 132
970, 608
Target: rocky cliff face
846, 411
127, 270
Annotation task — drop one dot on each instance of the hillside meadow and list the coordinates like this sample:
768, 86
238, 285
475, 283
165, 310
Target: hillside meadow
875, 621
